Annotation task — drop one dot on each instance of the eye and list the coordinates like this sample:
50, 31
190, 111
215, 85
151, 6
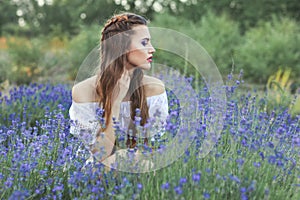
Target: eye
144, 42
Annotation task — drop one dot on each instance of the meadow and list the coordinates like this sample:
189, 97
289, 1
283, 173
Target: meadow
256, 156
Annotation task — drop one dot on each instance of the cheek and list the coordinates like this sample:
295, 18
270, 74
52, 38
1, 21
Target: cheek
137, 57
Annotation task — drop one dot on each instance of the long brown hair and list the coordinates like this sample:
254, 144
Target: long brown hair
111, 68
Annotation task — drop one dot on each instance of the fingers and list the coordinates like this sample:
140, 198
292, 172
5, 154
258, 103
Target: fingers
125, 78
126, 75
122, 86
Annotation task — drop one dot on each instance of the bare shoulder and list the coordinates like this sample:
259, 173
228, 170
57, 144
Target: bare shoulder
153, 86
85, 91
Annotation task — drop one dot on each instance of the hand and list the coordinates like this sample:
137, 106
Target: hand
122, 87
125, 161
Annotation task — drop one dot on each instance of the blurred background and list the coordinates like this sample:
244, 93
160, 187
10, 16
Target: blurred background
47, 40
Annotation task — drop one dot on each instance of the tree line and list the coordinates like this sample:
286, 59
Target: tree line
35, 17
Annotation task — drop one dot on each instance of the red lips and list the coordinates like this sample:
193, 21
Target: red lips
149, 59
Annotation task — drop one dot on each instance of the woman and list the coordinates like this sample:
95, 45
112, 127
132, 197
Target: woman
119, 88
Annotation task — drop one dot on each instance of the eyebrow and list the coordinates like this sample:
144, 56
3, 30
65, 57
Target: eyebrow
146, 39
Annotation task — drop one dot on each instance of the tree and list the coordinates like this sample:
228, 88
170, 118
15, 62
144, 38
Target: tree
8, 14
58, 16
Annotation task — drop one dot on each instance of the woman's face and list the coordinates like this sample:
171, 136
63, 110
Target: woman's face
141, 49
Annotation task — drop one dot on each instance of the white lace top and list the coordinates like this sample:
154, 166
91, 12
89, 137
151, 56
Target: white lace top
85, 124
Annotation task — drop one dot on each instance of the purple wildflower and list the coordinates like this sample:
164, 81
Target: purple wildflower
196, 177
206, 195
182, 181
256, 164
140, 186
178, 190
165, 186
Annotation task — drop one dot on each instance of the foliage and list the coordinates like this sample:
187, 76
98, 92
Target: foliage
50, 58
295, 105
218, 35
79, 48
59, 17
7, 14
247, 13
254, 52
25, 56
39, 59
277, 88
4, 63
42, 17
279, 94
266, 47
53, 58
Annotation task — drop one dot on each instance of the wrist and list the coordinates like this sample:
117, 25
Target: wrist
116, 109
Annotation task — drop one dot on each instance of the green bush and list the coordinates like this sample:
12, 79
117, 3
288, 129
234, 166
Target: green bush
4, 65
79, 47
46, 58
267, 47
259, 52
162, 56
53, 61
25, 55
29, 60
218, 35
278, 90
279, 96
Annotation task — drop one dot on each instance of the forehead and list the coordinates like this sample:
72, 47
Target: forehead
141, 31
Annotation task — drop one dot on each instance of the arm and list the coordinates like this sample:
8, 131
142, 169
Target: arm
85, 127
105, 141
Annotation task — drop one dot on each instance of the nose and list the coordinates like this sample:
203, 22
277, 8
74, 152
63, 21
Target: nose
151, 49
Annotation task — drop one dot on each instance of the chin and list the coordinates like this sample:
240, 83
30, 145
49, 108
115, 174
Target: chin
145, 66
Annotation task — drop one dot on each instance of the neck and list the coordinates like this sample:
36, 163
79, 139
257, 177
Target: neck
130, 69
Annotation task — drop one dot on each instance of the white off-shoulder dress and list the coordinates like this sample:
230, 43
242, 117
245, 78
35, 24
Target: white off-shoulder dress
85, 124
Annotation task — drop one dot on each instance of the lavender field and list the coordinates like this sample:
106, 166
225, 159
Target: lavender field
256, 157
